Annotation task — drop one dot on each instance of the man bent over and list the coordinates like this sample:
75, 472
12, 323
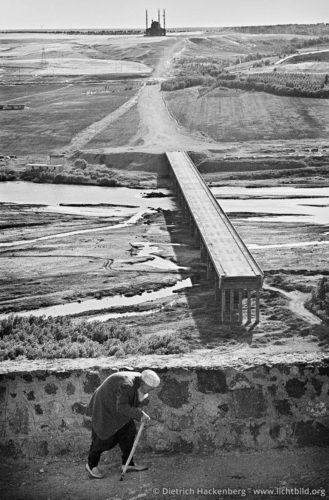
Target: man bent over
113, 407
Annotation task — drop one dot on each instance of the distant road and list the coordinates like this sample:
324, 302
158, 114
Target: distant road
301, 54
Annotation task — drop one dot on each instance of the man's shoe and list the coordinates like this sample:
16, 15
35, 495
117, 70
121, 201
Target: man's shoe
94, 472
137, 468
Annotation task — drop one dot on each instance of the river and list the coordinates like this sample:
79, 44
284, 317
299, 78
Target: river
284, 204
302, 204
309, 205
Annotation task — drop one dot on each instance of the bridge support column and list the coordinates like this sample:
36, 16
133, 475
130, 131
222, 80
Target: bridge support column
257, 306
231, 305
223, 305
249, 306
240, 306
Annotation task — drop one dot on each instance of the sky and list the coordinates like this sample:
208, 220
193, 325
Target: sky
112, 14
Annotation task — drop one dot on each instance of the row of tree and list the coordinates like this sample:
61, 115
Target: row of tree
283, 84
273, 88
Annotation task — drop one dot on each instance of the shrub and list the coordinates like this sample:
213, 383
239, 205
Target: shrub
105, 181
7, 175
185, 82
50, 338
81, 163
319, 301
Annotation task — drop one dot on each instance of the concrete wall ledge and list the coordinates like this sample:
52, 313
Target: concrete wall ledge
204, 358
207, 402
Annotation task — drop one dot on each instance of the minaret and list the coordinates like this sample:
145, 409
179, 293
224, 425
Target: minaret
147, 22
164, 19
159, 16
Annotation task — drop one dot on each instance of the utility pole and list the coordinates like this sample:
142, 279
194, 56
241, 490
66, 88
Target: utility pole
43, 58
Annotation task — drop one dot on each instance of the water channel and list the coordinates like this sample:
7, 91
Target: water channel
75, 308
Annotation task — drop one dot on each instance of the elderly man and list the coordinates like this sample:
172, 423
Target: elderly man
113, 407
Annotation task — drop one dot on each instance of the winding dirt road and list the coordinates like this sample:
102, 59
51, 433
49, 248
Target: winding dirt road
296, 304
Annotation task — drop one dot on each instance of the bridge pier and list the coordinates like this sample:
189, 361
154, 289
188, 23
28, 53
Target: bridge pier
240, 307
236, 274
223, 304
233, 308
249, 306
257, 307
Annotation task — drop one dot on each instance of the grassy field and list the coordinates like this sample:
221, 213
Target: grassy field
22, 54
228, 115
304, 67
233, 46
118, 133
21, 93
52, 119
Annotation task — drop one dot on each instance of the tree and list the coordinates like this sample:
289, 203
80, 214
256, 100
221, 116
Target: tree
80, 163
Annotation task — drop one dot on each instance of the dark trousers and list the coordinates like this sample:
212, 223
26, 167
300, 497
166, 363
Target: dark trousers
124, 437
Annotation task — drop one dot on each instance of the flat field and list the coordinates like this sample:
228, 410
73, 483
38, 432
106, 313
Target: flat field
52, 118
68, 83
228, 115
118, 133
27, 56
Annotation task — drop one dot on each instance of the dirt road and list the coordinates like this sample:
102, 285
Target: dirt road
87, 134
179, 476
158, 131
296, 304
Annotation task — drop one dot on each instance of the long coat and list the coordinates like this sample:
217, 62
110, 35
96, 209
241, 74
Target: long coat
115, 402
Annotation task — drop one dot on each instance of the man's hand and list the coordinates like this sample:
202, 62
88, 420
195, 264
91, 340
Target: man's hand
145, 418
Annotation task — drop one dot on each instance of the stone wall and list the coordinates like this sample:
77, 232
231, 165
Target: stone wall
197, 408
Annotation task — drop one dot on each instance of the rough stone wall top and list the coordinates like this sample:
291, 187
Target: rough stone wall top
211, 359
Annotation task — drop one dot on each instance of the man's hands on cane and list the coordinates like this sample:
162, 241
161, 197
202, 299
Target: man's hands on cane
145, 418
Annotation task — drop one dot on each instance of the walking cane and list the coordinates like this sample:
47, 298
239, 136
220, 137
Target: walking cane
140, 430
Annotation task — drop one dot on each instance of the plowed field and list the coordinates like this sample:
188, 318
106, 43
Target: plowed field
228, 115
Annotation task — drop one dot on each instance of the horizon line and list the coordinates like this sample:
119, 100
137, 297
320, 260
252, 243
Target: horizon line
13, 30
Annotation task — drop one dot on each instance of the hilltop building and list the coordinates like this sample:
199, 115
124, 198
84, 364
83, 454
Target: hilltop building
156, 29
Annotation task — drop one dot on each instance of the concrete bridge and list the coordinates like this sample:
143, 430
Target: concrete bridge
237, 276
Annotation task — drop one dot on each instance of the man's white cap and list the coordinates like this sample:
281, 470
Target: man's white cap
150, 378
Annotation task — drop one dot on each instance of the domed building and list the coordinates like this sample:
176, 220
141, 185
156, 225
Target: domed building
156, 28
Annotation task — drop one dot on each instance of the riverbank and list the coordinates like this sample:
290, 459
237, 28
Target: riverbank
128, 169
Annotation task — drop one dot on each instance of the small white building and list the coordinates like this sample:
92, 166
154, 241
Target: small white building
57, 159
44, 167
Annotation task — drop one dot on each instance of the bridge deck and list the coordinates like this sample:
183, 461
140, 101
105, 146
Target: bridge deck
232, 261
